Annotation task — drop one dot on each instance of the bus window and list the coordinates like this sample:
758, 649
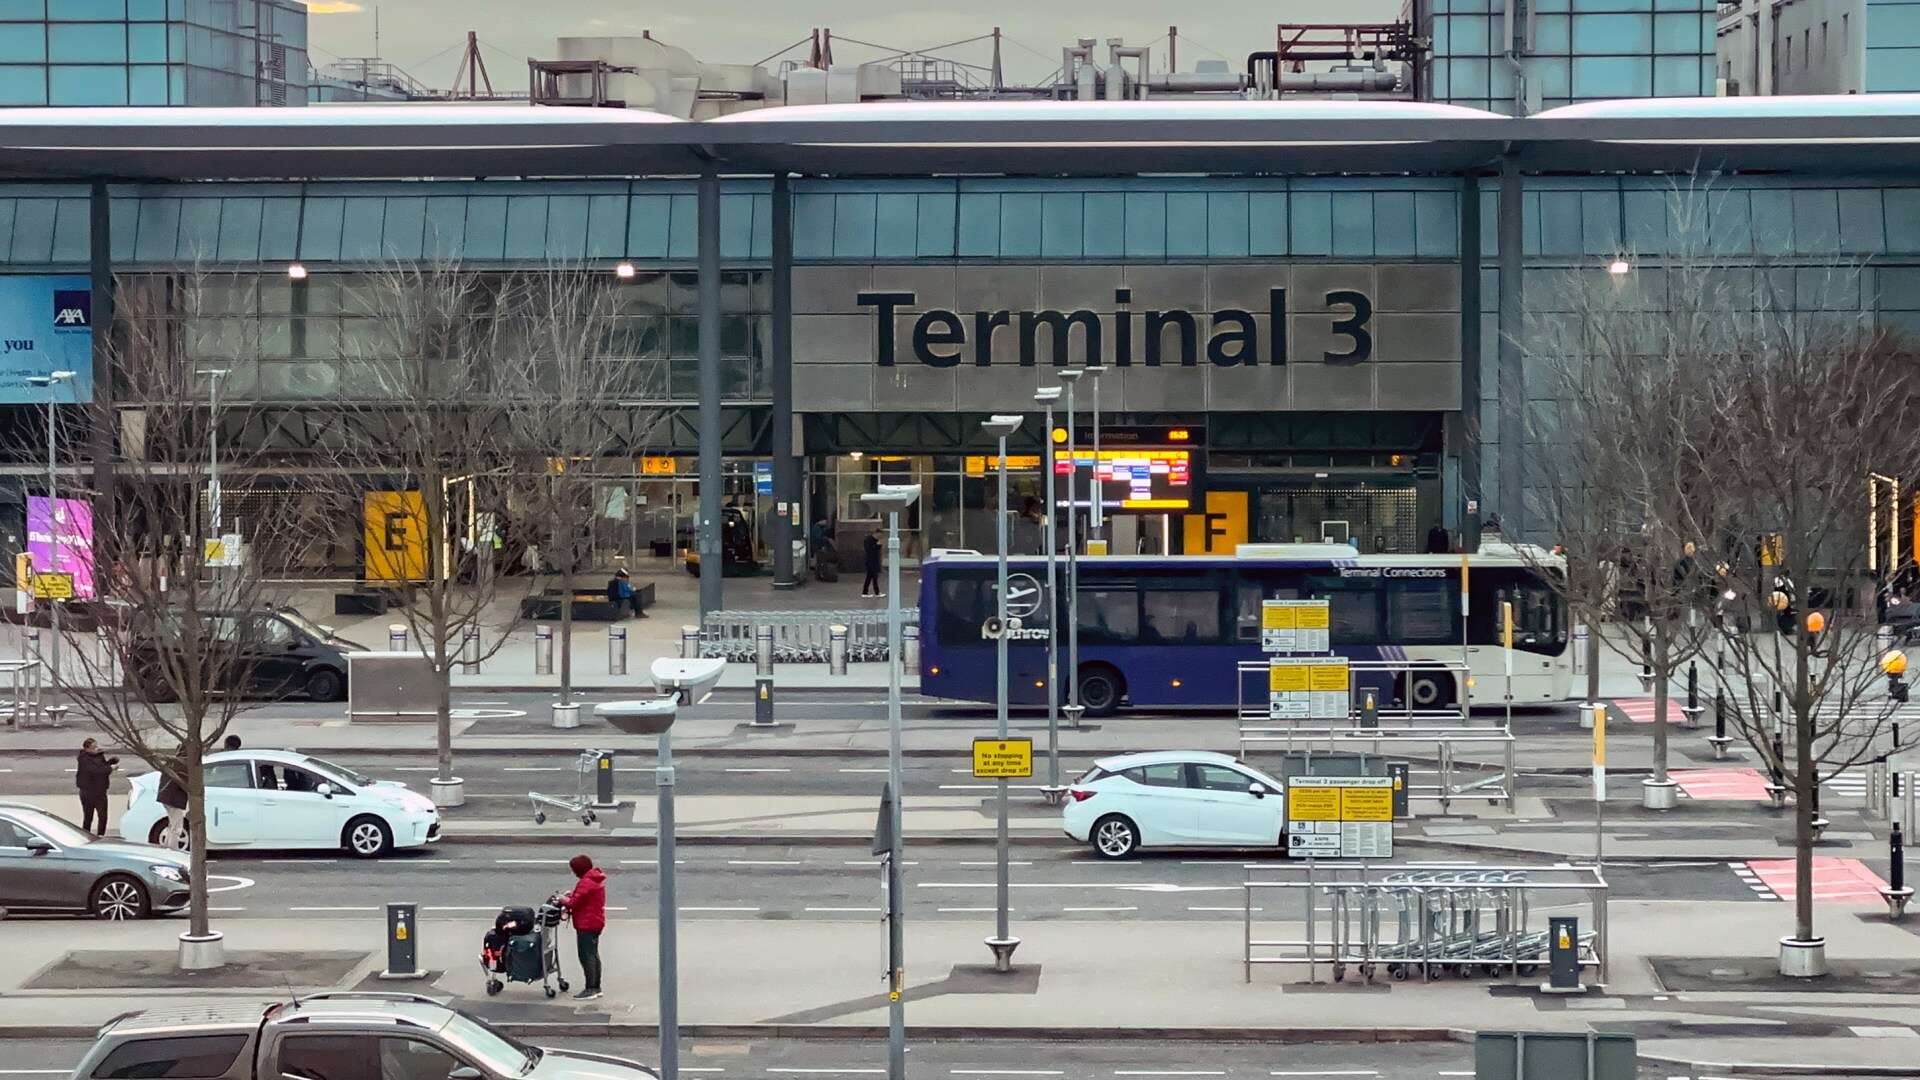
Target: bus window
1422, 613
1187, 616
1109, 616
1249, 597
961, 610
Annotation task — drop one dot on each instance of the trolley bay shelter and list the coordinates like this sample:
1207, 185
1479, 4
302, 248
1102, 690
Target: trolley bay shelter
1322, 298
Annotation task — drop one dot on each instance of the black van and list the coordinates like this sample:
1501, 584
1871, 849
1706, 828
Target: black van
266, 653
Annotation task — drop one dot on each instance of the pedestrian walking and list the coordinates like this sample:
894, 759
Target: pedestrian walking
587, 903
1438, 541
871, 547
92, 774
173, 797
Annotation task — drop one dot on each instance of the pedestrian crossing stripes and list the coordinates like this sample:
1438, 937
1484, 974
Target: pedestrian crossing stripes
1835, 880
1752, 881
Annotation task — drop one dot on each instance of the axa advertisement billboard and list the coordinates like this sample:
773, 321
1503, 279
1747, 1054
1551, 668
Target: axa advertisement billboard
46, 325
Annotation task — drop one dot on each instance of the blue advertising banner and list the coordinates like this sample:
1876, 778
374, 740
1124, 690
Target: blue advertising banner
46, 325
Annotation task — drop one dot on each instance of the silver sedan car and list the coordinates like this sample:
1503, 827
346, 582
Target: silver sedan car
48, 864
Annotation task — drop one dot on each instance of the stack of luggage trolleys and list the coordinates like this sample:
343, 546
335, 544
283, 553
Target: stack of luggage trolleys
1463, 922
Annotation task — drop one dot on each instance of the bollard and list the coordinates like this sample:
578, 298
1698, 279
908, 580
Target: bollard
396, 637
689, 643
33, 644
470, 650
1896, 894
1563, 956
763, 701
603, 780
616, 650
543, 650
1776, 770
566, 714
1369, 712
1719, 739
1646, 662
403, 947
763, 650
910, 649
1691, 710
836, 649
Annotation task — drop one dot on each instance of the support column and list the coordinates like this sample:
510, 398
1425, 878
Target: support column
707, 532
1467, 423
101, 434
786, 462
1511, 376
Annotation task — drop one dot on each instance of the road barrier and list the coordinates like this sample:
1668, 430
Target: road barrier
796, 637
543, 650
616, 650
1418, 918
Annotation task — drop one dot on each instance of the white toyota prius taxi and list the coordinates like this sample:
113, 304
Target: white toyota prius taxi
1177, 799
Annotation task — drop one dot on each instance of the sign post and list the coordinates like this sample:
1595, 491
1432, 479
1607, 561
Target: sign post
1291, 626
1308, 687
1599, 779
1002, 759
1340, 817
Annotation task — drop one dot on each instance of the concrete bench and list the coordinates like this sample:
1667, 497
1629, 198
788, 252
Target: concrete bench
587, 606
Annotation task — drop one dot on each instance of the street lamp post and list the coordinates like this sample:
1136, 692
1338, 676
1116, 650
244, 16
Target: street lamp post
1045, 397
1002, 942
1071, 376
1097, 523
50, 380
894, 498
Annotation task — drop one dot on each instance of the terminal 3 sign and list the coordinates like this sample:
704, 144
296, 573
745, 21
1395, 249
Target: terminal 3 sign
1124, 337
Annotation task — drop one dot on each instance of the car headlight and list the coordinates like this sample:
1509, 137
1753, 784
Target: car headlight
170, 873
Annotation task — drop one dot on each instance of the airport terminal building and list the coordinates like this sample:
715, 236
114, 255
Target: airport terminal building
1303, 310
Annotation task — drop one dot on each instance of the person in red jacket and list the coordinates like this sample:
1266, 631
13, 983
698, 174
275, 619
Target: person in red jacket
588, 905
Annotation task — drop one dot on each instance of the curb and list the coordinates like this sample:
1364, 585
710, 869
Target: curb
1769, 1068
868, 1032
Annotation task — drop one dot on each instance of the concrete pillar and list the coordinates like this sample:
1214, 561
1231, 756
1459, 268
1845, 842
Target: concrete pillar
1511, 375
101, 434
1467, 423
707, 529
786, 462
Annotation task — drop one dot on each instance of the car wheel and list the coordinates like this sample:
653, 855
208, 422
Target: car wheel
326, 685
158, 834
1115, 837
367, 837
117, 898
1100, 689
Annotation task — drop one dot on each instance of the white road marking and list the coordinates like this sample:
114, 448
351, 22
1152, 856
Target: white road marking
1235, 910
238, 883
415, 768
1098, 910
300, 862
648, 862
864, 910
881, 772
1327, 1072
1169, 1072
530, 862
848, 1071
456, 907
747, 770
968, 910
36, 1072
719, 909
763, 862
1158, 886
874, 862
531, 768
1005, 1072
332, 909
995, 786
1010, 862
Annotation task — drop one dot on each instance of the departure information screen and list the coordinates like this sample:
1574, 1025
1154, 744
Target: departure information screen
1139, 470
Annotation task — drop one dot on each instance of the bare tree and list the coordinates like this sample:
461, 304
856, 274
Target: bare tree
572, 408
432, 428
179, 647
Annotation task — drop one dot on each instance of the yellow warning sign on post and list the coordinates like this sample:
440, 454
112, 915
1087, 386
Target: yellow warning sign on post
1002, 759
1366, 804
1312, 803
54, 586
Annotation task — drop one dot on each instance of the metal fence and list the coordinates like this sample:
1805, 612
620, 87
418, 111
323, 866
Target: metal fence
24, 680
1425, 919
799, 637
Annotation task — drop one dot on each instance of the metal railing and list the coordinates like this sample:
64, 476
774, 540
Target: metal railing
799, 637
22, 705
1424, 919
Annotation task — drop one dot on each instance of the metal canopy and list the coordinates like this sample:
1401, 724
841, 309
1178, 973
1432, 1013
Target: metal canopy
1878, 134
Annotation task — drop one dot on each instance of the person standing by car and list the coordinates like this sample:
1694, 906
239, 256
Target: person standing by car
92, 773
173, 796
587, 903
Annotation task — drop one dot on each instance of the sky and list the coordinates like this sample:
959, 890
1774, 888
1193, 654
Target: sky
425, 36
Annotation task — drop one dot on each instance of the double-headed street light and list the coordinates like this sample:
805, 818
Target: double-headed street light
893, 499
50, 380
1054, 792
1002, 942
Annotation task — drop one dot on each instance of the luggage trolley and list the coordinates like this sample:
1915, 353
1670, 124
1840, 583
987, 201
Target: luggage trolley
581, 804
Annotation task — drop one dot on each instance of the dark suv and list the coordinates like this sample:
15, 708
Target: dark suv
268, 652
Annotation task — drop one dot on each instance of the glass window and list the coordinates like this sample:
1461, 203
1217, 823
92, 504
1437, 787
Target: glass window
1612, 76
526, 226
270, 632
23, 9
193, 1056
936, 219
896, 226
1171, 774
683, 227
1422, 613
23, 85
1146, 232
402, 227
1599, 35
412, 1059
1182, 617
648, 221
326, 1057
812, 225
736, 226
961, 611
1353, 615
227, 774
1104, 224
853, 226
18, 43
1267, 223
1312, 223
1109, 616
1227, 224
1061, 225
1020, 224
12, 835
79, 85
92, 43
1219, 778
1393, 225
1187, 223
979, 225
1676, 76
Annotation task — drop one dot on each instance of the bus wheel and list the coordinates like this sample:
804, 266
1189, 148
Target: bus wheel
1430, 689
1100, 689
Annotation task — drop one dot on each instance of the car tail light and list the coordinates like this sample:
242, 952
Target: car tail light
1080, 794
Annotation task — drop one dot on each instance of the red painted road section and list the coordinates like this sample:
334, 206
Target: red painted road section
1727, 785
1835, 880
1640, 710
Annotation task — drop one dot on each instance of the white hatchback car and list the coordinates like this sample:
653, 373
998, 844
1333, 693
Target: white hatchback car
1175, 798
279, 799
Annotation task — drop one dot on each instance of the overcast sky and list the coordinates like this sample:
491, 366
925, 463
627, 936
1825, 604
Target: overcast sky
424, 36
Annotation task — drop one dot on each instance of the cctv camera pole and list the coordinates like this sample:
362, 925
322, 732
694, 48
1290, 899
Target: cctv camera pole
896, 842
1053, 607
1071, 376
669, 915
1003, 942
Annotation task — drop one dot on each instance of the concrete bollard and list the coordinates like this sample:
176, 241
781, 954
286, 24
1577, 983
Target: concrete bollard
543, 650
910, 649
33, 644
403, 945
616, 650
763, 650
396, 637
566, 715
1896, 893
470, 650
689, 643
836, 649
